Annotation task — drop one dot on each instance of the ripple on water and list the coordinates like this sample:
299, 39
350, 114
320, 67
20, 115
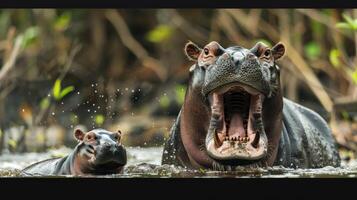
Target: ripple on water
145, 162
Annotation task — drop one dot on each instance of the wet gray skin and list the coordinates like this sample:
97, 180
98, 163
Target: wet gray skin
267, 128
98, 152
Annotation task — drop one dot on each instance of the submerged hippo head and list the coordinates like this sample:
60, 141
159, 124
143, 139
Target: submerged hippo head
99, 152
232, 109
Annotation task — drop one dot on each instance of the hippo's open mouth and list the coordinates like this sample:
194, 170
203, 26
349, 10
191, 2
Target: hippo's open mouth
236, 130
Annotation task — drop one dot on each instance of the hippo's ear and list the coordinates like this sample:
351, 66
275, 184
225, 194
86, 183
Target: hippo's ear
79, 134
258, 48
278, 51
192, 51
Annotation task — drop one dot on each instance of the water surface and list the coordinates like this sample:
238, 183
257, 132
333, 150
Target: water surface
145, 162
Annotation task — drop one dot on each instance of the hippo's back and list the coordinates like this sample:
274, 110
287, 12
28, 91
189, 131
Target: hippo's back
306, 139
45, 167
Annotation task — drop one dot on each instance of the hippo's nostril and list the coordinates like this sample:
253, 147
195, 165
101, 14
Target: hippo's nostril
106, 145
90, 146
113, 149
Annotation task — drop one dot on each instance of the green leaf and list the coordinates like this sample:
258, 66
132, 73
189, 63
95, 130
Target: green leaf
348, 19
40, 137
73, 118
99, 119
159, 33
202, 170
312, 50
354, 76
264, 41
62, 22
66, 90
317, 28
45, 103
57, 89
334, 58
180, 91
348, 24
29, 36
164, 101
12, 143
345, 115
343, 25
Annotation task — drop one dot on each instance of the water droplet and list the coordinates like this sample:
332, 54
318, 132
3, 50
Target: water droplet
95, 91
132, 91
165, 94
53, 113
118, 90
78, 93
92, 85
23, 110
139, 89
88, 110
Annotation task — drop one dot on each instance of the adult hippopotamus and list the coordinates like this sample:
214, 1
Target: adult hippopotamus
98, 152
234, 115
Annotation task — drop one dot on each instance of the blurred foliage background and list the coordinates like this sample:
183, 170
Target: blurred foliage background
125, 69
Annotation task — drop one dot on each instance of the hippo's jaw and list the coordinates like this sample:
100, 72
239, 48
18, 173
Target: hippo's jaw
236, 130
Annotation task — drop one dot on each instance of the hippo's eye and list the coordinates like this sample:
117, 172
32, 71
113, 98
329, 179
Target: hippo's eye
116, 137
267, 53
91, 137
206, 51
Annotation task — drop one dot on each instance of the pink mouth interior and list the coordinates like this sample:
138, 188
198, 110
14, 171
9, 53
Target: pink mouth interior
237, 135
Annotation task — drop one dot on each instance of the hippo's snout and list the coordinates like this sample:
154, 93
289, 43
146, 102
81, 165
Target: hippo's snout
112, 147
241, 67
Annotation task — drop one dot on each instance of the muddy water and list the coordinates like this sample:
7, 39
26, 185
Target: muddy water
145, 162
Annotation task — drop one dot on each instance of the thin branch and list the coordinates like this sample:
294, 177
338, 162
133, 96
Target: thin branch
226, 23
295, 73
355, 33
11, 61
242, 19
323, 19
134, 46
187, 27
68, 65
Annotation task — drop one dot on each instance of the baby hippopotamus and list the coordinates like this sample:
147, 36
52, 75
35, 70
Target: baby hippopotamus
98, 152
